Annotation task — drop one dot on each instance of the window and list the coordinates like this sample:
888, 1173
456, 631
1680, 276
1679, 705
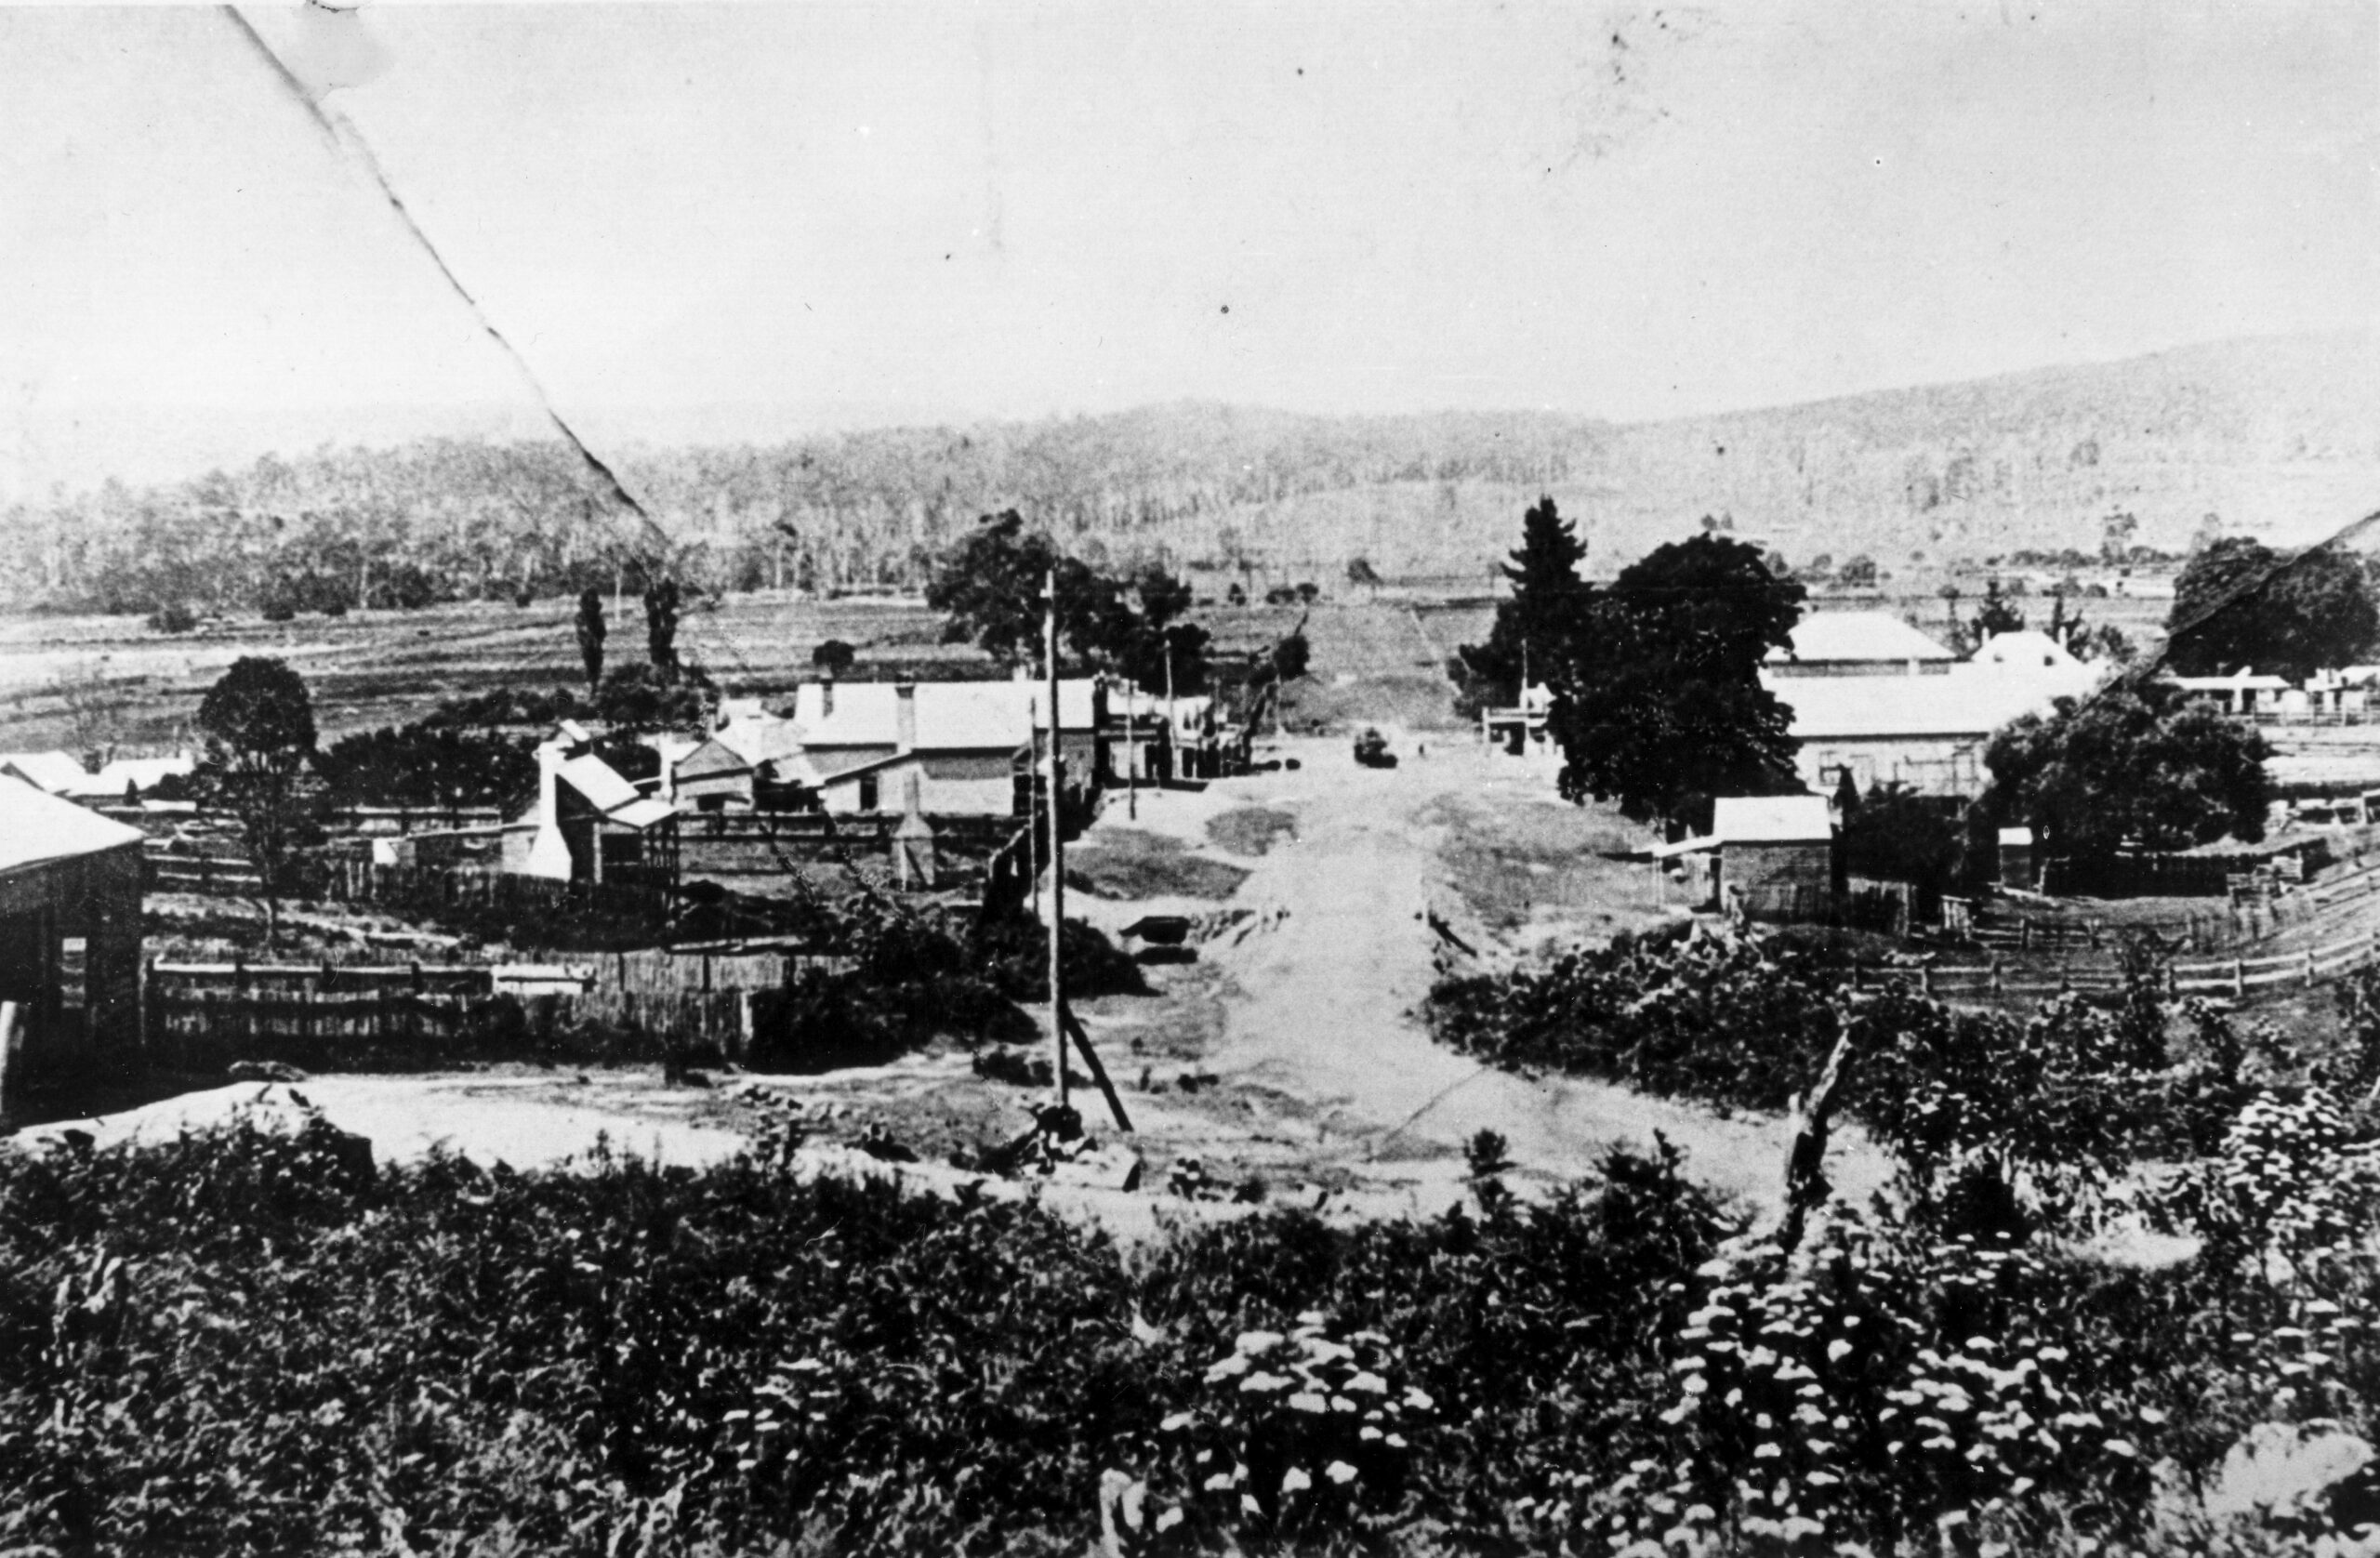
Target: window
868, 792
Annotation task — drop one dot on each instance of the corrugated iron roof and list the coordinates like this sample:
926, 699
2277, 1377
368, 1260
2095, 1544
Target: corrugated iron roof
37, 827
1854, 636
55, 771
1770, 819
598, 782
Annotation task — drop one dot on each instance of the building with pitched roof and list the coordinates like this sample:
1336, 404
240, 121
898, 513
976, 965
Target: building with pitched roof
69, 942
590, 823
1925, 731
1857, 643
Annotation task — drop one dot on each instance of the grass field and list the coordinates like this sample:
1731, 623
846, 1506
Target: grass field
1378, 658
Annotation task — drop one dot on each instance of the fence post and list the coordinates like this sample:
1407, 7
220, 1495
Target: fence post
1995, 975
2238, 980
1924, 977
2310, 966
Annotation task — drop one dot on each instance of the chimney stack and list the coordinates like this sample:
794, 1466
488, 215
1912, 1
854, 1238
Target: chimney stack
904, 728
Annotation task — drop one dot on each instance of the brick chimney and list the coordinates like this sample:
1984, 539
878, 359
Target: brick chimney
904, 717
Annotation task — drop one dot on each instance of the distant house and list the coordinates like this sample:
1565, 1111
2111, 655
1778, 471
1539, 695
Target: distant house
1151, 738
589, 823
964, 740
1927, 731
1857, 643
59, 773
69, 942
53, 773
2243, 691
1522, 727
709, 775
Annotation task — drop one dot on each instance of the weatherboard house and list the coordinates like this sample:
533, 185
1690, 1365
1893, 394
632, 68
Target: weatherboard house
859, 745
69, 942
590, 823
1922, 727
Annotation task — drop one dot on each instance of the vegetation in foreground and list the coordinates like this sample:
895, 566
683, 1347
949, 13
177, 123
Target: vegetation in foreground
247, 1341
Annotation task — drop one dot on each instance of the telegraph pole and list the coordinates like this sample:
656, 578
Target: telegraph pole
1057, 856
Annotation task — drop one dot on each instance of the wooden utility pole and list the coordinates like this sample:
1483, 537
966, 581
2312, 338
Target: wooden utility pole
1173, 763
1057, 855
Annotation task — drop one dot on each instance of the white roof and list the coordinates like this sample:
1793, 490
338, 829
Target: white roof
598, 782
2015, 836
1880, 636
2245, 678
952, 716
1770, 819
758, 737
2028, 649
643, 814
1870, 708
36, 828
54, 772
144, 772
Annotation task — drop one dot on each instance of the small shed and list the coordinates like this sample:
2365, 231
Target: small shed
2016, 865
69, 942
712, 778
1776, 855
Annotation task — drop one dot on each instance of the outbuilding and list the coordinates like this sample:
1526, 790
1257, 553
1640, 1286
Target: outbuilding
1776, 856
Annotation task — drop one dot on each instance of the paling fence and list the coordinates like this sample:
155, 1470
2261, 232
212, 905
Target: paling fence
2236, 978
630, 1006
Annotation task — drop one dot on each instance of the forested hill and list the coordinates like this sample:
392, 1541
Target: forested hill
2277, 436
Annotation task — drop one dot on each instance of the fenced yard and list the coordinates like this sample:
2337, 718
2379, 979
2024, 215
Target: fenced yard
630, 1006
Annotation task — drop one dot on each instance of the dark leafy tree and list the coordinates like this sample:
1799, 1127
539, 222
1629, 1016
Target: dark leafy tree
430, 765
2240, 603
1531, 625
1995, 613
1896, 834
646, 698
833, 658
663, 602
591, 634
2132, 764
1359, 572
1657, 698
1856, 572
1290, 657
990, 586
258, 724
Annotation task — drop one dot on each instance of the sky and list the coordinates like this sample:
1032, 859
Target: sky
764, 219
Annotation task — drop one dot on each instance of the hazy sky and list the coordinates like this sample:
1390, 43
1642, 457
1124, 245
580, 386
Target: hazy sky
831, 214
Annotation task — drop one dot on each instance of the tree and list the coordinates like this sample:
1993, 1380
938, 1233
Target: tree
2132, 764
1657, 698
1994, 615
990, 587
1359, 572
662, 600
1290, 657
1532, 624
258, 724
2239, 603
1896, 834
833, 658
592, 633
1856, 572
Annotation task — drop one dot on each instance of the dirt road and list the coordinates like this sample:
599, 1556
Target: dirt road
1324, 997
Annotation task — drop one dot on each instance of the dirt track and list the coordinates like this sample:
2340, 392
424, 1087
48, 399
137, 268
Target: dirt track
1321, 997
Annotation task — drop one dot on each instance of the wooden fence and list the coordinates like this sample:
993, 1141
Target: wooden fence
202, 1015
2235, 978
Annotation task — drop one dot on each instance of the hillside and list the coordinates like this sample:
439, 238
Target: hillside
2278, 437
